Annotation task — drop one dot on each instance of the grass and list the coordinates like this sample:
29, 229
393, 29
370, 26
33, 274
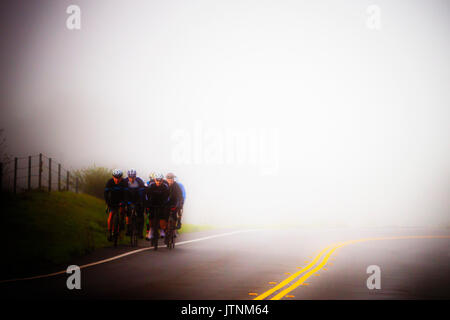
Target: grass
42, 231
185, 228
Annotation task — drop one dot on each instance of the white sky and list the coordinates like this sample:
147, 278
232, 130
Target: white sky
362, 117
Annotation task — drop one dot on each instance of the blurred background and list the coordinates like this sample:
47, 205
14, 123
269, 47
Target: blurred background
269, 112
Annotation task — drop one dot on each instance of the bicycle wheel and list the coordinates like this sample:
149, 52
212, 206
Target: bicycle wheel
167, 239
155, 227
115, 221
173, 235
170, 233
133, 236
135, 233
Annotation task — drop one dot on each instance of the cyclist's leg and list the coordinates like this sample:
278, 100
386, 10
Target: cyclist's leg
140, 219
128, 220
169, 228
163, 218
173, 222
175, 219
111, 227
121, 211
151, 215
155, 223
122, 215
147, 216
110, 215
179, 215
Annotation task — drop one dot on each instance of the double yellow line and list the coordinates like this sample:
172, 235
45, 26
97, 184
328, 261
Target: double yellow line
313, 267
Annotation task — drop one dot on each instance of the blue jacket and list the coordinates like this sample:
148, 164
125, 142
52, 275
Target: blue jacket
183, 191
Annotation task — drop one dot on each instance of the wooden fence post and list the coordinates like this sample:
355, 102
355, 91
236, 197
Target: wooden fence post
67, 182
15, 175
59, 176
29, 173
40, 171
49, 174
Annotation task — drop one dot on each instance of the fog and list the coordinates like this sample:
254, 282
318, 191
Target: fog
306, 113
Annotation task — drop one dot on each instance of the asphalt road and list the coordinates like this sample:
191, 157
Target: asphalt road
264, 264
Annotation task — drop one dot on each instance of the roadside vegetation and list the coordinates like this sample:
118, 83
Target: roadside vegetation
92, 180
43, 231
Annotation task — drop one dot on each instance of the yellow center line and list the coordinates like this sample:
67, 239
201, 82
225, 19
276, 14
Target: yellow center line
292, 277
306, 276
327, 256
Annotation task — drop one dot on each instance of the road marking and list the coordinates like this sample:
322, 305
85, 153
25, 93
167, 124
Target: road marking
302, 279
124, 255
271, 282
306, 276
292, 277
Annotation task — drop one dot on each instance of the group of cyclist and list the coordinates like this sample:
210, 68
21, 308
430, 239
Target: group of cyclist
159, 196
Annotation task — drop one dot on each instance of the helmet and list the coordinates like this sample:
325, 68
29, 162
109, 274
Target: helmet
170, 175
152, 176
132, 173
117, 173
159, 176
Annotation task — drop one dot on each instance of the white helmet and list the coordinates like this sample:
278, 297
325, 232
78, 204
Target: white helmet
117, 173
159, 176
132, 173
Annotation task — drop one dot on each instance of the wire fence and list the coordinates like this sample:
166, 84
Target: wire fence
36, 172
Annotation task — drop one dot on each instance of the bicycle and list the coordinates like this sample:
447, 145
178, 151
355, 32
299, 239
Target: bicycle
133, 225
155, 227
115, 225
170, 233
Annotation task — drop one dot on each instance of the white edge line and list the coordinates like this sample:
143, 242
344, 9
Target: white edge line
124, 255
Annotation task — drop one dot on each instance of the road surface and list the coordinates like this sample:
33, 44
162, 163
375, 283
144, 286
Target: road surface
285, 264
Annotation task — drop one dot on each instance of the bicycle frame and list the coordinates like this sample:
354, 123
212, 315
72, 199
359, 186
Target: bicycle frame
115, 219
133, 225
170, 234
155, 226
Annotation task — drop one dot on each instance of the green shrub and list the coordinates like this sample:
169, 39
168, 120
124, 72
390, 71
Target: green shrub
92, 180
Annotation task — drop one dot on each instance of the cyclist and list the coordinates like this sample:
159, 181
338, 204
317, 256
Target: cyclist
151, 176
157, 196
183, 191
136, 189
116, 196
176, 197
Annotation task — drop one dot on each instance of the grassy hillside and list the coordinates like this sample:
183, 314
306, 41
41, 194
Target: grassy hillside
42, 230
